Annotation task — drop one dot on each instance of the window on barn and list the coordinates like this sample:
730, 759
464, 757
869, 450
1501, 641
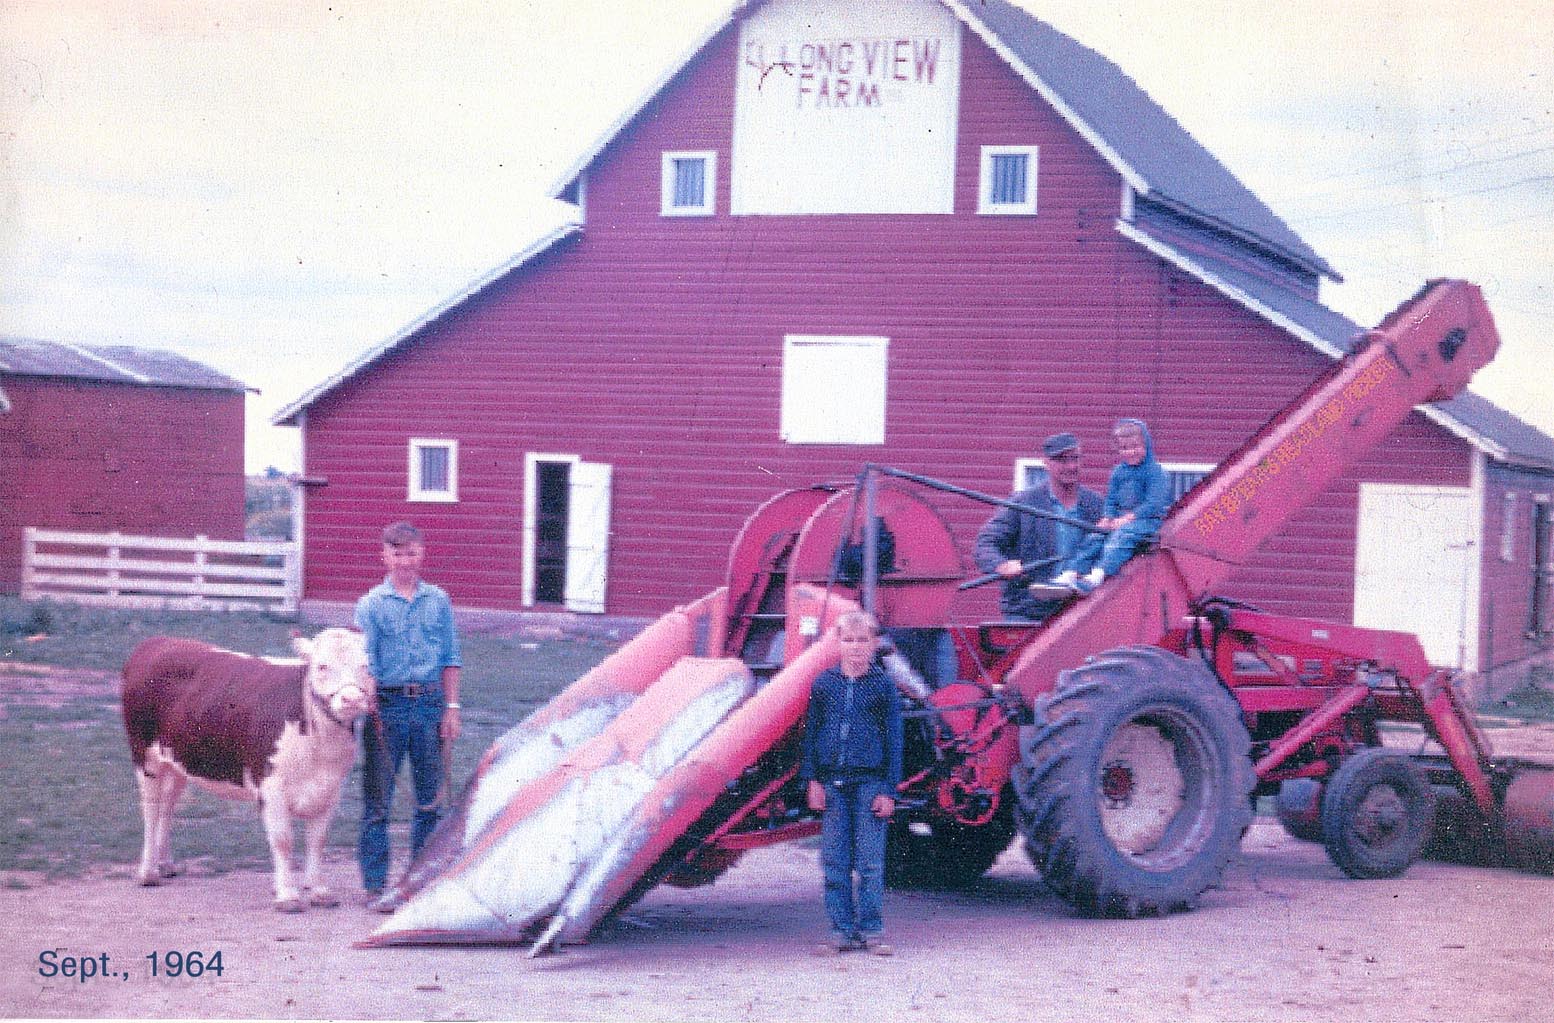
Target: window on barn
833, 389
690, 184
1028, 472
1184, 476
1008, 182
434, 470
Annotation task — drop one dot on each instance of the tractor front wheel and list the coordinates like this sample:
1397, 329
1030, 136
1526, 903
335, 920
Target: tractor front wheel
1377, 813
1134, 783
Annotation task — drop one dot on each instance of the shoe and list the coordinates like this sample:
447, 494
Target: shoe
1086, 584
837, 946
882, 948
369, 896
386, 902
1065, 578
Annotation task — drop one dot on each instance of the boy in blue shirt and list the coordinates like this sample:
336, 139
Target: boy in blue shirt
1137, 498
413, 653
852, 764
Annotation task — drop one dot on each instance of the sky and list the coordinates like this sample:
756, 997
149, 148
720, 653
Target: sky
274, 187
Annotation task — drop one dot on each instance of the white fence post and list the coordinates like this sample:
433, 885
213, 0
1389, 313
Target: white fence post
29, 548
115, 554
199, 564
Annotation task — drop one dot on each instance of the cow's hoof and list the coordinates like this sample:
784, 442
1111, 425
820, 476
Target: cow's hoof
292, 905
323, 898
148, 880
168, 870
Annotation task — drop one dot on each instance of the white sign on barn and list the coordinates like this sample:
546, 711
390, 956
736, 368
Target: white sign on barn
846, 109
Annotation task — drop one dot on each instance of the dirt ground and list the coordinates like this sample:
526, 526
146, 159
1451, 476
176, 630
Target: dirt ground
1285, 937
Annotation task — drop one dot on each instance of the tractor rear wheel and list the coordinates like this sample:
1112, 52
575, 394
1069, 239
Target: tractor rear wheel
1377, 813
944, 853
1134, 783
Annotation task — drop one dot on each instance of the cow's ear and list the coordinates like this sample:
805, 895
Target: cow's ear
303, 646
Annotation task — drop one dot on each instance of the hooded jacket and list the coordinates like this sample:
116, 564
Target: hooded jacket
1143, 489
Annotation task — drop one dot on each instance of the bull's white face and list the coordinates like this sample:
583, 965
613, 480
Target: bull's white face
337, 671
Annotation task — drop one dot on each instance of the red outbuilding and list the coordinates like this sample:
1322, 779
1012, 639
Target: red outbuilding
924, 233
106, 439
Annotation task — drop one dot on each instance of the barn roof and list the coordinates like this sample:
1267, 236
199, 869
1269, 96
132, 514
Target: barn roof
1216, 216
119, 364
1158, 158
1475, 419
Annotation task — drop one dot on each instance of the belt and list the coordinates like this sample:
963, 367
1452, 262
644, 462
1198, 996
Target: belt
411, 689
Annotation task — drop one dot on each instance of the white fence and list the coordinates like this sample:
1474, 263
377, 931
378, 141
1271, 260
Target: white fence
151, 571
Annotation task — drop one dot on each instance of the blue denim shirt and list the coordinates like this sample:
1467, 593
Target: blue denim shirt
408, 640
852, 728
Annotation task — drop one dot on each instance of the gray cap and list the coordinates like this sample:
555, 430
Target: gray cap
1059, 443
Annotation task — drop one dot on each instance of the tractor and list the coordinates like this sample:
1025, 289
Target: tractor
1126, 741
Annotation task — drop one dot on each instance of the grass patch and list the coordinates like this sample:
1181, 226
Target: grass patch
71, 799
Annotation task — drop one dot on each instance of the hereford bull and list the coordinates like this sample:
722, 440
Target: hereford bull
273, 730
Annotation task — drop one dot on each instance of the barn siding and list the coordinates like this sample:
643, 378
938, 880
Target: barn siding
655, 344
78, 454
1508, 632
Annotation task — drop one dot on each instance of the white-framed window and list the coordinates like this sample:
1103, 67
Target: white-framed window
833, 389
1027, 472
434, 470
689, 185
1008, 180
1184, 476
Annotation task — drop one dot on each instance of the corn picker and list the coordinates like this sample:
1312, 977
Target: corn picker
1125, 740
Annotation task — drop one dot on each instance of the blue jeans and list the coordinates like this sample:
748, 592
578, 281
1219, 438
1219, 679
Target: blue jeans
852, 841
1110, 551
409, 730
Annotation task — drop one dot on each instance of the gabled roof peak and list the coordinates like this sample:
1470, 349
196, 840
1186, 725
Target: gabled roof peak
1154, 154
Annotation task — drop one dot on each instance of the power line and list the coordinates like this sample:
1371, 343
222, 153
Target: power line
1421, 175
1404, 161
1357, 210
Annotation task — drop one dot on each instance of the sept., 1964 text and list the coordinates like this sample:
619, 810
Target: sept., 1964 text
84, 968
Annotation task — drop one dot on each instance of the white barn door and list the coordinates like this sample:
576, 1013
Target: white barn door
1416, 568
588, 537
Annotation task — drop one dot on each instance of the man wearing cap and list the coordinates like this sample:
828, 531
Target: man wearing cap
1013, 541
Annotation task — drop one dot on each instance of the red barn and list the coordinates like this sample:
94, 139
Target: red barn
115, 438
921, 233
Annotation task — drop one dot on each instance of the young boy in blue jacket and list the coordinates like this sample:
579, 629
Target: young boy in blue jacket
1137, 498
852, 764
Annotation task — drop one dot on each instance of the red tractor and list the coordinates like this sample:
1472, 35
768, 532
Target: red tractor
1127, 739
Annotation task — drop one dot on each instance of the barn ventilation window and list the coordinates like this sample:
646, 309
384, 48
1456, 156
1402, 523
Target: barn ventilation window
434, 470
1184, 476
1008, 183
833, 389
689, 184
